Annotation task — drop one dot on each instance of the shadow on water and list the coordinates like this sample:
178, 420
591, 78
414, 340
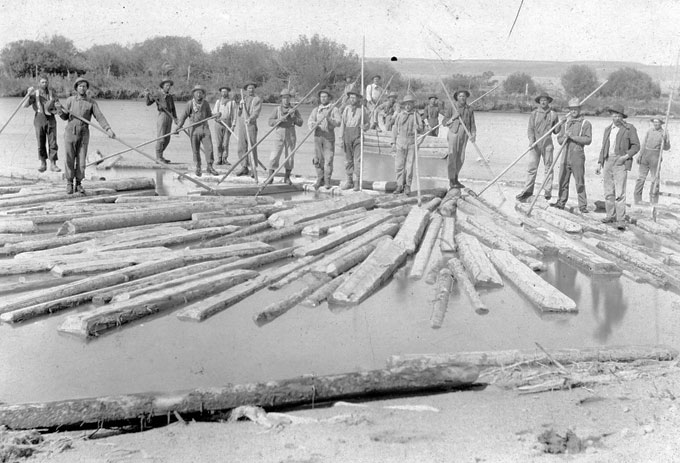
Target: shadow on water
609, 306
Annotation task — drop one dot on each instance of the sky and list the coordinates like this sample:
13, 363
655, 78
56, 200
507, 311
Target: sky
640, 31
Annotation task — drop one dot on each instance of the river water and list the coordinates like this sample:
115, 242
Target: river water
161, 353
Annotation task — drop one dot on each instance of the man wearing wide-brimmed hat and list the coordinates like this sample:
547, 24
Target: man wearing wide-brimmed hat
406, 124
196, 110
226, 124
167, 113
387, 111
285, 118
42, 100
351, 139
249, 110
619, 145
457, 120
577, 133
650, 156
542, 120
324, 119
432, 115
77, 133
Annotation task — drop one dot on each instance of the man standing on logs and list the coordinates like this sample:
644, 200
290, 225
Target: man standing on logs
576, 133
284, 118
388, 111
457, 119
432, 116
77, 133
197, 109
42, 101
373, 93
249, 109
649, 160
324, 138
351, 139
542, 119
406, 124
225, 125
619, 145
165, 103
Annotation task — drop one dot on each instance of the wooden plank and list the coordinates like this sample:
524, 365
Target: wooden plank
456, 267
371, 273
480, 269
422, 257
443, 288
545, 296
412, 230
280, 307
307, 212
104, 318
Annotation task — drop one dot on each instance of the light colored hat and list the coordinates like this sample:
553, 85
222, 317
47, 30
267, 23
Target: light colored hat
543, 95
245, 86
79, 80
352, 92
574, 103
392, 95
326, 91
197, 88
408, 98
224, 87
657, 118
285, 92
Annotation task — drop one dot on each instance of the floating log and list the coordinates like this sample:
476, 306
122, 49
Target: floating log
173, 239
239, 220
422, 257
348, 217
534, 264
587, 224
647, 225
96, 266
437, 262
579, 256
371, 273
407, 201
252, 248
265, 209
48, 197
280, 307
319, 296
235, 202
104, 318
31, 285
484, 205
447, 240
545, 246
352, 258
17, 226
549, 218
233, 238
641, 261
296, 270
456, 267
449, 204
443, 288
480, 269
490, 240
245, 190
335, 239
123, 184
412, 230
432, 204
307, 212
504, 358
98, 412
537, 290
512, 243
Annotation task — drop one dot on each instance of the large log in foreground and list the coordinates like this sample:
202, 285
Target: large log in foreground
98, 412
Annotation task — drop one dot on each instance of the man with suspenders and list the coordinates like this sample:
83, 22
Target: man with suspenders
284, 118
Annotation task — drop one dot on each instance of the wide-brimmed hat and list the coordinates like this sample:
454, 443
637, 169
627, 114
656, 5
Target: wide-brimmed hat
245, 86
408, 98
79, 80
657, 118
574, 103
377, 75
543, 95
352, 92
163, 82
432, 96
197, 88
455, 95
326, 91
392, 95
285, 92
224, 87
618, 108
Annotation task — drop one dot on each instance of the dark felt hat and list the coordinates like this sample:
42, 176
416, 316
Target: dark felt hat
79, 80
432, 96
326, 91
543, 95
377, 75
618, 108
467, 94
172, 82
352, 92
245, 86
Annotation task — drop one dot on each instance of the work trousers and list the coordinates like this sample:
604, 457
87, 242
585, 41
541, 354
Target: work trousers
324, 152
544, 152
457, 143
222, 136
351, 142
648, 165
76, 142
284, 142
403, 164
163, 127
243, 142
574, 163
46, 134
615, 188
201, 136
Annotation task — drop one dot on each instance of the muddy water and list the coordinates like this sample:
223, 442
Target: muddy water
161, 353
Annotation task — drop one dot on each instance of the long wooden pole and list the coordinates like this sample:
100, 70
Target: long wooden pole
21, 104
548, 174
534, 144
363, 110
656, 180
238, 161
251, 156
148, 156
415, 155
127, 150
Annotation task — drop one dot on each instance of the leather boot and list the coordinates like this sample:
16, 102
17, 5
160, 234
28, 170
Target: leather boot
54, 167
79, 188
347, 185
319, 179
198, 171
43, 166
211, 171
327, 180
270, 176
286, 178
69, 187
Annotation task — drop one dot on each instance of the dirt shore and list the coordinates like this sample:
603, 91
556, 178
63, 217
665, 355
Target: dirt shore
633, 417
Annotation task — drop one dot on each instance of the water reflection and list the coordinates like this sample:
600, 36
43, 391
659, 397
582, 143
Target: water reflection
609, 306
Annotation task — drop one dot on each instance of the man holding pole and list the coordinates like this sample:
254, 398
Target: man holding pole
388, 110
619, 145
457, 119
406, 124
225, 125
432, 116
165, 103
541, 121
197, 109
576, 133
284, 118
649, 160
42, 101
324, 125
249, 109
77, 133
351, 139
